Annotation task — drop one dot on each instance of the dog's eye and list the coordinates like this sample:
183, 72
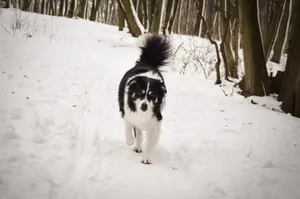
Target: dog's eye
150, 93
142, 91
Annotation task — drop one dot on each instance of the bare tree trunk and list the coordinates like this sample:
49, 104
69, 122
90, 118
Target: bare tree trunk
290, 90
151, 6
188, 16
264, 17
37, 7
51, 7
235, 39
106, 11
282, 33
66, 7
157, 16
273, 28
95, 9
256, 81
61, 8
82, 9
210, 10
121, 19
179, 18
55, 6
213, 42
216, 22
73, 7
173, 16
27, 5
134, 24
200, 6
43, 7
145, 10
111, 12
167, 16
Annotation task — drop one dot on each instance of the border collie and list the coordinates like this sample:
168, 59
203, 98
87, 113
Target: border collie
142, 94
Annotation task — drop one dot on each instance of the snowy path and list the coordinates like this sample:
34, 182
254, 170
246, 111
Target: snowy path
61, 135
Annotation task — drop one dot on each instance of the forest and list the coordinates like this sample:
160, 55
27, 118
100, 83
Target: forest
265, 31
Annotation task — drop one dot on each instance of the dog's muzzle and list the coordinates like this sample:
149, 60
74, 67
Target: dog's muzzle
144, 106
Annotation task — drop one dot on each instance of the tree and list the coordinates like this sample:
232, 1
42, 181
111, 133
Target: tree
168, 16
282, 33
200, 5
256, 81
174, 13
61, 8
134, 24
273, 28
290, 90
157, 16
94, 10
73, 7
213, 42
82, 8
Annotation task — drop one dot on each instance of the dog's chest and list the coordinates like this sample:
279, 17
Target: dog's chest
143, 120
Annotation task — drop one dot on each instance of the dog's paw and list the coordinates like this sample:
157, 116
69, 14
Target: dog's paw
137, 150
146, 161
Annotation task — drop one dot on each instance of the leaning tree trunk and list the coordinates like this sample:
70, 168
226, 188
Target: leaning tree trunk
174, 13
213, 42
273, 28
167, 16
121, 19
256, 81
135, 27
264, 13
200, 6
178, 18
225, 47
282, 33
290, 90
145, 11
157, 16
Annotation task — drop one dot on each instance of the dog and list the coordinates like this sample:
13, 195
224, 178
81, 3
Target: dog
142, 96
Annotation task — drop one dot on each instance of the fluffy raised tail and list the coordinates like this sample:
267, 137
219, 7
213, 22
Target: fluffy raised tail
156, 50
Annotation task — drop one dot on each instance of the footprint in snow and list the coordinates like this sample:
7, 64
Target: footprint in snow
11, 132
47, 121
16, 114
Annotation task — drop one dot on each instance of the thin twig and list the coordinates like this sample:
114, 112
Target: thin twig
248, 156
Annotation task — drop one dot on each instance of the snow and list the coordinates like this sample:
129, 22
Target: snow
62, 137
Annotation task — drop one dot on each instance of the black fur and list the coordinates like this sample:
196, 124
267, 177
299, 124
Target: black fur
154, 54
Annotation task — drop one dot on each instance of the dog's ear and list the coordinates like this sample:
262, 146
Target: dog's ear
163, 88
131, 82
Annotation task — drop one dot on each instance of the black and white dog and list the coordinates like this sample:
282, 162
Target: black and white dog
142, 94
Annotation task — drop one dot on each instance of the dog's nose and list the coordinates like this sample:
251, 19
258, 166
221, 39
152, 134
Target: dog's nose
144, 107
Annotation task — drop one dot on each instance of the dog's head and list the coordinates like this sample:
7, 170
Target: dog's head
145, 94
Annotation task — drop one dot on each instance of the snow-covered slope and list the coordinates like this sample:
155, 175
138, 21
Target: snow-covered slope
61, 135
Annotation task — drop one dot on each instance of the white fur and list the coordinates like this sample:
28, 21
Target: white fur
142, 121
148, 74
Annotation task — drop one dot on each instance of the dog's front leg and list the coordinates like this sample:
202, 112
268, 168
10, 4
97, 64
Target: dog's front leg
138, 140
128, 133
151, 141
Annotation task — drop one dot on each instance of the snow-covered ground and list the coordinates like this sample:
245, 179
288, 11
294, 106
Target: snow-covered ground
61, 135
